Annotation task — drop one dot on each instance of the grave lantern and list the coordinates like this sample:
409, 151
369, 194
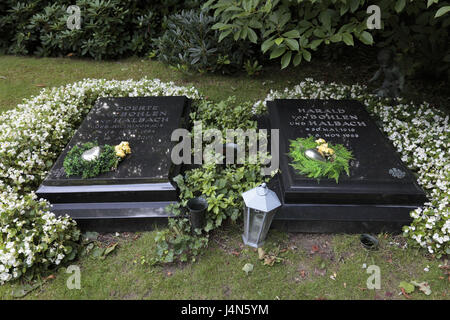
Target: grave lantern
261, 203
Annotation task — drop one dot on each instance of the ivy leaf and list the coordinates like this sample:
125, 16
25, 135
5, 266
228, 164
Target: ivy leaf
248, 267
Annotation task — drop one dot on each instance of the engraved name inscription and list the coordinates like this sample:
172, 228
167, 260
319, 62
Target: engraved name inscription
327, 123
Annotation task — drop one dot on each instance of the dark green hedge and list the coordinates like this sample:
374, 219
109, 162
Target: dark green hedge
109, 29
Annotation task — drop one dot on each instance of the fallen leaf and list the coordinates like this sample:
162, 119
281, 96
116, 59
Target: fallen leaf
50, 277
261, 253
314, 249
40, 85
405, 294
235, 253
248, 267
110, 249
269, 260
169, 273
423, 286
303, 273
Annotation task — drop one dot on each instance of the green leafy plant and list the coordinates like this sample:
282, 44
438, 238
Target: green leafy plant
221, 186
190, 44
331, 168
291, 31
74, 165
252, 68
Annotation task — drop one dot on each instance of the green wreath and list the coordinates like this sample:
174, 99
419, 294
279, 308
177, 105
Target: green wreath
107, 160
334, 159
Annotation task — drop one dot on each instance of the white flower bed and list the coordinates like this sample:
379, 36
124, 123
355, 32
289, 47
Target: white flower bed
31, 137
422, 137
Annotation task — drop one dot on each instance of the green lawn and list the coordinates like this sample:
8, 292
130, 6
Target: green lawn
308, 266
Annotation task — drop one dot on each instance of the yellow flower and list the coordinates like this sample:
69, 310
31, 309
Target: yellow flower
320, 141
330, 151
322, 148
122, 149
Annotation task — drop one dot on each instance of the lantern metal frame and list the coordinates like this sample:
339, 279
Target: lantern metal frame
260, 207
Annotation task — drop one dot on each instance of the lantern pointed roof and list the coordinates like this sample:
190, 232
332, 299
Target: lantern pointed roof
261, 198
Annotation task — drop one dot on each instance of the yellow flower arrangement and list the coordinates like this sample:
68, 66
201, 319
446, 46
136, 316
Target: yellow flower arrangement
323, 148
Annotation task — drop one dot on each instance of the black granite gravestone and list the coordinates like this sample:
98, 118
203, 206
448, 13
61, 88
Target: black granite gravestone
135, 195
377, 196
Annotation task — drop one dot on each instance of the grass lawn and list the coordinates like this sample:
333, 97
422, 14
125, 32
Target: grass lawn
306, 266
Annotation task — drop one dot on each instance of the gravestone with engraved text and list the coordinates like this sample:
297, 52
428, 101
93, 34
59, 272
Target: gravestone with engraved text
137, 193
377, 196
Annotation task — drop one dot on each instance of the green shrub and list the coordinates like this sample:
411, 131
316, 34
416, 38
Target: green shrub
292, 30
74, 165
220, 186
190, 44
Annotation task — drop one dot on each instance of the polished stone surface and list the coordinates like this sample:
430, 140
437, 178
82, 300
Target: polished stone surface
378, 195
145, 122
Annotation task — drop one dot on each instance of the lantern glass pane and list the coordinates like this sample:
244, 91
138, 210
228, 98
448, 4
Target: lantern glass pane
267, 223
256, 225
